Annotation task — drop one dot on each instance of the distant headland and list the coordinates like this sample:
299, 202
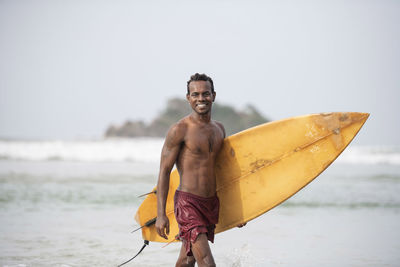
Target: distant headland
233, 120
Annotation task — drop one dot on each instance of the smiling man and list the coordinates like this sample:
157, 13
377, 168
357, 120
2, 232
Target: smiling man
192, 144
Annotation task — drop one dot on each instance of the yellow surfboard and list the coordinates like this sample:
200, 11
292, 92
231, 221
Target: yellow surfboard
259, 168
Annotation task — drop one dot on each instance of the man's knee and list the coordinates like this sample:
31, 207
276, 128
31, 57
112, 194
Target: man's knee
202, 251
187, 261
207, 261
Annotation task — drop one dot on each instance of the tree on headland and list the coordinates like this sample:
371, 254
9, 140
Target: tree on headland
233, 120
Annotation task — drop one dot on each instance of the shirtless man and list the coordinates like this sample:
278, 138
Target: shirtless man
192, 144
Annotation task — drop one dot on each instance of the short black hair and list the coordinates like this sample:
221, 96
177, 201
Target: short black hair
200, 77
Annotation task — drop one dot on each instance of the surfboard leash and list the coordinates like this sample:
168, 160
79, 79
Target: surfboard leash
146, 242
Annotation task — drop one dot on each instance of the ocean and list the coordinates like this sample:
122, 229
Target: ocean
72, 203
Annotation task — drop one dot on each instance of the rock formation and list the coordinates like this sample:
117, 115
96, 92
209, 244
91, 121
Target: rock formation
234, 121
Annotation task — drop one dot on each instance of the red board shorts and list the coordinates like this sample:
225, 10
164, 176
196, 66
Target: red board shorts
195, 215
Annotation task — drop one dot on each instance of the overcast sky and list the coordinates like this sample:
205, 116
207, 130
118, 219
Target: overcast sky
68, 69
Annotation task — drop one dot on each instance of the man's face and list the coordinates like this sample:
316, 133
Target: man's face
200, 96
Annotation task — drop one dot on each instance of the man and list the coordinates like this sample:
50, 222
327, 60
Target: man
192, 144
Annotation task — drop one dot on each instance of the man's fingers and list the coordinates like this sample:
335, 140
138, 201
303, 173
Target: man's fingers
242, 224
163, 234
158, 231
165, 231
167, 228
162, 227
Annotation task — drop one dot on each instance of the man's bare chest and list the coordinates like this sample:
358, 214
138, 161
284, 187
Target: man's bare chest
204, 140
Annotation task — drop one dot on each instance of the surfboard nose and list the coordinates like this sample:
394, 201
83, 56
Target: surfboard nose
359, 117
335, 121
345, 122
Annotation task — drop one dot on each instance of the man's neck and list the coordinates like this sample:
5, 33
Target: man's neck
203, 118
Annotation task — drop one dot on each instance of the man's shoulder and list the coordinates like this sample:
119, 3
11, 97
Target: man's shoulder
218, 123
182, 123
220, 126
179, 128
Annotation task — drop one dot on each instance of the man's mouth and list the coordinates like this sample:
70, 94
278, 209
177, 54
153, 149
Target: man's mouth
201, 105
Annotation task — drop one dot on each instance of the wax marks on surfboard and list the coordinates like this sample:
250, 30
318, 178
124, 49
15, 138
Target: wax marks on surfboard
317, 128
258, 164
331, 124
232, 152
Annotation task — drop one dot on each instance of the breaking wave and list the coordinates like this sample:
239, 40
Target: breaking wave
106, 150
370, 155
148, 150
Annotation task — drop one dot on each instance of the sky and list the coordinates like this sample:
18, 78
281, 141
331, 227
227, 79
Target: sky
69, 69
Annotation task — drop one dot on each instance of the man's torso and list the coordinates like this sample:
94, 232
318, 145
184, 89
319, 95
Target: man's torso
196, 159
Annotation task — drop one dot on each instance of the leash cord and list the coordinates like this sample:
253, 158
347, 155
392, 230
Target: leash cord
146, 242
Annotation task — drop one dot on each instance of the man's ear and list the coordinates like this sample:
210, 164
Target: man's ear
187, 97
215, 95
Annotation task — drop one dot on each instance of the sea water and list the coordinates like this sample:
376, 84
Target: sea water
72, 203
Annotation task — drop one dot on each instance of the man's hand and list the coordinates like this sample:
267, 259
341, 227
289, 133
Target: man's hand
162, 226
241, 225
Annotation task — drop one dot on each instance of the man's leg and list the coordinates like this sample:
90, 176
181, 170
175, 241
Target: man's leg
202, 252
184, 260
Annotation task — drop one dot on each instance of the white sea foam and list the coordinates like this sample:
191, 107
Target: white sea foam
107, 150
370, 155
149, 149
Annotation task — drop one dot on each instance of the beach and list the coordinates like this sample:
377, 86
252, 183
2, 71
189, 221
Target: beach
72, 203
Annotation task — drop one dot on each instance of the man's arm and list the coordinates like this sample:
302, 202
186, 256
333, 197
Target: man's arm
169, 155
221, 126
